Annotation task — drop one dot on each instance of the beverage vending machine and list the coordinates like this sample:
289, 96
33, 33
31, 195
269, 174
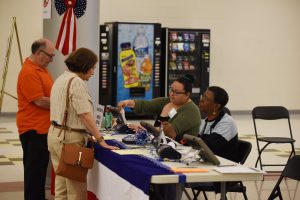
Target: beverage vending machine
186, 51
130, 57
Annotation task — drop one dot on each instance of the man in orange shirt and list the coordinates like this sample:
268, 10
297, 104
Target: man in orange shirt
33, 116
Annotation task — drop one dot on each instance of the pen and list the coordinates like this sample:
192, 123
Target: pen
190, 167
226, 165
168, 160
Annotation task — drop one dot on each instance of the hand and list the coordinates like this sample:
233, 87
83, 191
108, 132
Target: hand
122, 104
169, 130
167, 127
126, 103
112, 147
106, 146
136, 127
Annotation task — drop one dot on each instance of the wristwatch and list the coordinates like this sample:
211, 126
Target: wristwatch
100, 139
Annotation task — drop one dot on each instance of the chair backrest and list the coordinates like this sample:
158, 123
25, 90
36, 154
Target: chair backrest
270, 112
292, 167
244, 148
291, 170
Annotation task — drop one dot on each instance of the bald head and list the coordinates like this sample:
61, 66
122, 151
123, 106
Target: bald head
41, 44
42, 52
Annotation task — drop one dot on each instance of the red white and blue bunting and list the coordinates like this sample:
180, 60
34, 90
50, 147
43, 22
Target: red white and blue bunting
66, 40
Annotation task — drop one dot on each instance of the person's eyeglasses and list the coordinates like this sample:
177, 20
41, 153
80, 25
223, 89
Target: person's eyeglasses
47, 54
172, 91
205, 99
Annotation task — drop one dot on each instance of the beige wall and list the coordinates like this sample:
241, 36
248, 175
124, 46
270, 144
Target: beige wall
29, 22
255, 45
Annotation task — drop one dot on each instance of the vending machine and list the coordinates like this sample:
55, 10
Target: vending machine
186, 51
130, 59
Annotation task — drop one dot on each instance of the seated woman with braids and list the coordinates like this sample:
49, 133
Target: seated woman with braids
218, 130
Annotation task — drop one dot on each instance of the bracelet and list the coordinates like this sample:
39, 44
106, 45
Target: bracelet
100, 139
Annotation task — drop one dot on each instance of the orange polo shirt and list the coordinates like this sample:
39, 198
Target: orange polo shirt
34, 82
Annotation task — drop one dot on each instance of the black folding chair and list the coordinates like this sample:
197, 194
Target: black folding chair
244, 148
291, 171
271, 113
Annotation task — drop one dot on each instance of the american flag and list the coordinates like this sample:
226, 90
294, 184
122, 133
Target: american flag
66, 40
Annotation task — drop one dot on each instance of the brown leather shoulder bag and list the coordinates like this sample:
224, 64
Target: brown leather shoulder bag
74, 160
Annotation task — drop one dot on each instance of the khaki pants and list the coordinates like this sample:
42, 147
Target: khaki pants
65, 189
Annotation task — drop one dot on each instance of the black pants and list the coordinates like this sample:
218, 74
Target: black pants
35, 162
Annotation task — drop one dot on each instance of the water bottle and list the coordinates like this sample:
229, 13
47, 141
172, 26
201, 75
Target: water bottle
141, 49
140, 46
140, 43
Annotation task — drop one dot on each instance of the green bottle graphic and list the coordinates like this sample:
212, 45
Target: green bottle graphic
108, 120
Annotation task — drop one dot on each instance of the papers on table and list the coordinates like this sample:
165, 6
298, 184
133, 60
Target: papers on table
105, 137
129, 152
108, 137
237, 169
188, 169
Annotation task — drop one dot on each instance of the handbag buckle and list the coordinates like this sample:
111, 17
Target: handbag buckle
79, 158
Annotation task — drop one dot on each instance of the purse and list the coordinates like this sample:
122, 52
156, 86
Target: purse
75, 160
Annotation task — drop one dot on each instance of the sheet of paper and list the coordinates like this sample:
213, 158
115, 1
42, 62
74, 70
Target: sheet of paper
108, 137
129, 152
236, 169
99, 115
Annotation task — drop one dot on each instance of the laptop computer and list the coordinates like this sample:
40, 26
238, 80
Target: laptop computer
205, 153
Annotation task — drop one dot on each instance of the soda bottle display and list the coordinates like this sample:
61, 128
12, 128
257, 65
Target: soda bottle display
146, 65
146, 73
128, 65
140, 43
140, 46
141, 49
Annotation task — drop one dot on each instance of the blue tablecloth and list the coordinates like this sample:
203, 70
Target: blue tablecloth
136, 169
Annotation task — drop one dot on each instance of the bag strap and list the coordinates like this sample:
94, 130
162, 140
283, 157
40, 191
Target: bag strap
65, 118
64, 122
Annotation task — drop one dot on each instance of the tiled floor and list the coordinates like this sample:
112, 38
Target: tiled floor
11, 168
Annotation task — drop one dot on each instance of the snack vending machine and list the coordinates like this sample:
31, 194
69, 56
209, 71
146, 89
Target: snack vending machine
186, 51
130, 57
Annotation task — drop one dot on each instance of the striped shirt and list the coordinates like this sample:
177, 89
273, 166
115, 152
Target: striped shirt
80, 100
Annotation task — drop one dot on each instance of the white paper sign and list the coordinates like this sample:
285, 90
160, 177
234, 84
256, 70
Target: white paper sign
47, 9
99, 115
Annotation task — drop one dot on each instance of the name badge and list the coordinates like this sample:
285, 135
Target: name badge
172, 113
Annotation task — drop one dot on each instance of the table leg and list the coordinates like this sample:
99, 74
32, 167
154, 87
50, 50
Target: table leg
223, 190
179, 191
